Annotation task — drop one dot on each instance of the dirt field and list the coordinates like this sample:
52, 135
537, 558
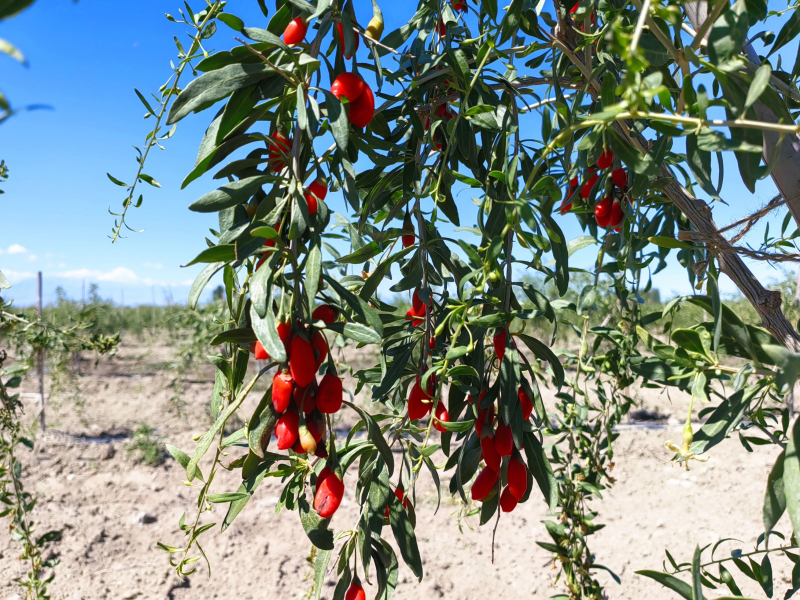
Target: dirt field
98, 493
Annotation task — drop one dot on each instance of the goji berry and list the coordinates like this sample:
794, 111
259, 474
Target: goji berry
282, 385
301, 361
503, 440
329, 394
286, 430
507, 501
329, 496
517, 477
484, 484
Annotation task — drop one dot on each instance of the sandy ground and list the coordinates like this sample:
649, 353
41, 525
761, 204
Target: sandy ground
97, 491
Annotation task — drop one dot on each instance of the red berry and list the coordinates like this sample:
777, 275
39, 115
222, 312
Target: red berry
484, 484
517, 477
279, 143
419, 403
286, 430
432, 343
320, 346
573, 183
408, 239
499, 341
460, 5
307, 439
355, 592
318, 189
503, 440
565, 207
301, 361
586, 190
416, 302
602, 212
260, 352
490, 455
484, 415
329, 496
616, 216
341, 41
507, 501
281, 390
285, 334
413, 316
606, 159
525, 403
441, 28
305, 397
329, 394
323, 475
362, 108
349, 85
324, 313
442, 415
619, 177
295, 31
398, 492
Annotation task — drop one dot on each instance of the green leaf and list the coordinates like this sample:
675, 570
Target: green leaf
365, 313
697, 574
728, 33
774, 498
544, 353
355, 331
182, 458
234, 336
404, 536
211, 87
116, 181
759, 84
316, 527
667, 242
226, 497
230, 194
361, 255
789, 32
320, 567
791, 476
671, 582
540, 468
340, 126
214, 254
267, 333
201, 281
579, 243
231, 21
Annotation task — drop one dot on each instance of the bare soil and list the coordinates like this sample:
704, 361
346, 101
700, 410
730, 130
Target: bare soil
96, 491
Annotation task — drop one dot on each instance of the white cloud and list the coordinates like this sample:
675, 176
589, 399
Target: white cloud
16, 249
32, 257
117, 275
62, 265
122, 275
153, 265
17, 276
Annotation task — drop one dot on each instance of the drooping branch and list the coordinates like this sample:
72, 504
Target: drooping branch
767, 303
786, 171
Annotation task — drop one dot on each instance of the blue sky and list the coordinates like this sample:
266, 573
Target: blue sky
85, 59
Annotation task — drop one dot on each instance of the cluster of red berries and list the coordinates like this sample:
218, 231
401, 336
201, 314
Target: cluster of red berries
301, 402
350, 85
362, 101
608, 211
497, 442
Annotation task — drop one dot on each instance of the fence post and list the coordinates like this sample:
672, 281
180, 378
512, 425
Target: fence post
41, 361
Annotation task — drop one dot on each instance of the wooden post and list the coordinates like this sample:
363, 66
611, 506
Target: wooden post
40, 366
